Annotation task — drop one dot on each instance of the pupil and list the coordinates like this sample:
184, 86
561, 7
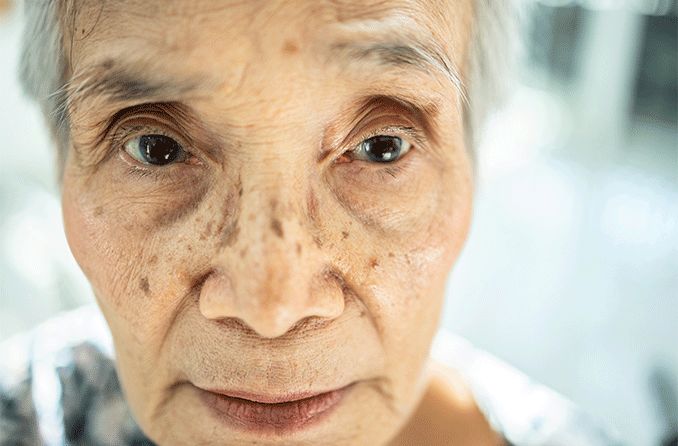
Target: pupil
159, 149
383, 148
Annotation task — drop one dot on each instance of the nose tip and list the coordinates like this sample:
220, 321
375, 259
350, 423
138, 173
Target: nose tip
272, 311
285, 320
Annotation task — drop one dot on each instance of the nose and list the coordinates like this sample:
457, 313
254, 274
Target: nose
274, 276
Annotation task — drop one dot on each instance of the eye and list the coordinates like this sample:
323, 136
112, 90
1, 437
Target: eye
382, 149
156, 150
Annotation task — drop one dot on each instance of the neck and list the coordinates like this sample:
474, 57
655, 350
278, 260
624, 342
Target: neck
447, 414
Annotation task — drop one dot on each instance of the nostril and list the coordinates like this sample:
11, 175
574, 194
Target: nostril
307, 325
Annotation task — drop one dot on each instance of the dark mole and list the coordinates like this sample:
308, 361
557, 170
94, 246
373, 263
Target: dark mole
390, 254
153, 260
143, 285
240, 191
344, 235
290, 47
373, 262
98, 211
277, 227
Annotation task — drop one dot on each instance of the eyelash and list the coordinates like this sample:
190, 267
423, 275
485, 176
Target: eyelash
159, 173
134, 169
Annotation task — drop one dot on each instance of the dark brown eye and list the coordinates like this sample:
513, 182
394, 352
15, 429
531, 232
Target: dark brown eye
158, 150
382, 149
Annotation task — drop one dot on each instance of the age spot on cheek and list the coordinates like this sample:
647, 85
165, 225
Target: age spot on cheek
276, 227
290, 47
144, 286
229, 228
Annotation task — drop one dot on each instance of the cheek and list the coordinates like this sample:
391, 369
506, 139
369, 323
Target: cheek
391, 201
408, 271
134, 247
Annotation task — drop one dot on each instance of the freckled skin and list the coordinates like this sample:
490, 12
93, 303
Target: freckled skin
276, 227
266, 266
290, 47
144, 286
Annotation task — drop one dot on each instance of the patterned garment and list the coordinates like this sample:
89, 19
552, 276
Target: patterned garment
58, 387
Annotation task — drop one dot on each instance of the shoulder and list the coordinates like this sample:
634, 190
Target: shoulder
58, 381
524, 411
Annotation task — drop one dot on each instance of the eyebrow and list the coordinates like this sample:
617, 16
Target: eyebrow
427, 57
121, 84
112, 81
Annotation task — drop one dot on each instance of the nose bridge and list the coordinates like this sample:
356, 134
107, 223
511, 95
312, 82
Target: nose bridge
271, 215
275, 263
273, 238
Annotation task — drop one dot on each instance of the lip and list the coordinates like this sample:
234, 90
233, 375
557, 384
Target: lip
279, 414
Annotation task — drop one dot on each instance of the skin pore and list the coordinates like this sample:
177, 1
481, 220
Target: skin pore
273, 256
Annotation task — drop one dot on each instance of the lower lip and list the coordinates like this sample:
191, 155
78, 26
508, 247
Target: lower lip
278, 418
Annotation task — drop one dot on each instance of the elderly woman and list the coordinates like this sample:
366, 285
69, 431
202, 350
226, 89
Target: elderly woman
267, 198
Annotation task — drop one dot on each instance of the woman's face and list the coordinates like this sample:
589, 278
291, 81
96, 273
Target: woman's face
267, 198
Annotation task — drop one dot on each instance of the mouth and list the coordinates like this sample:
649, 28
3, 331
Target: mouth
279, 414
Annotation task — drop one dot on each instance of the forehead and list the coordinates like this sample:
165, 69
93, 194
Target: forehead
248, 50
183, 27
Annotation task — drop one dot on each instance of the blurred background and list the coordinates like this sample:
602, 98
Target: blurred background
571, 270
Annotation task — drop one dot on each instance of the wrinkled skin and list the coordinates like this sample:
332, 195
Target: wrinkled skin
268, 260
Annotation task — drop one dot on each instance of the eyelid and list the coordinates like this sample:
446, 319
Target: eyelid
410, 134
158, 118
126, 132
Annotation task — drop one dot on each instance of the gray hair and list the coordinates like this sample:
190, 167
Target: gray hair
43, 66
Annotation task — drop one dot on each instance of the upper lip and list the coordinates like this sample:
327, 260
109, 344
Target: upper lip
271, 399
